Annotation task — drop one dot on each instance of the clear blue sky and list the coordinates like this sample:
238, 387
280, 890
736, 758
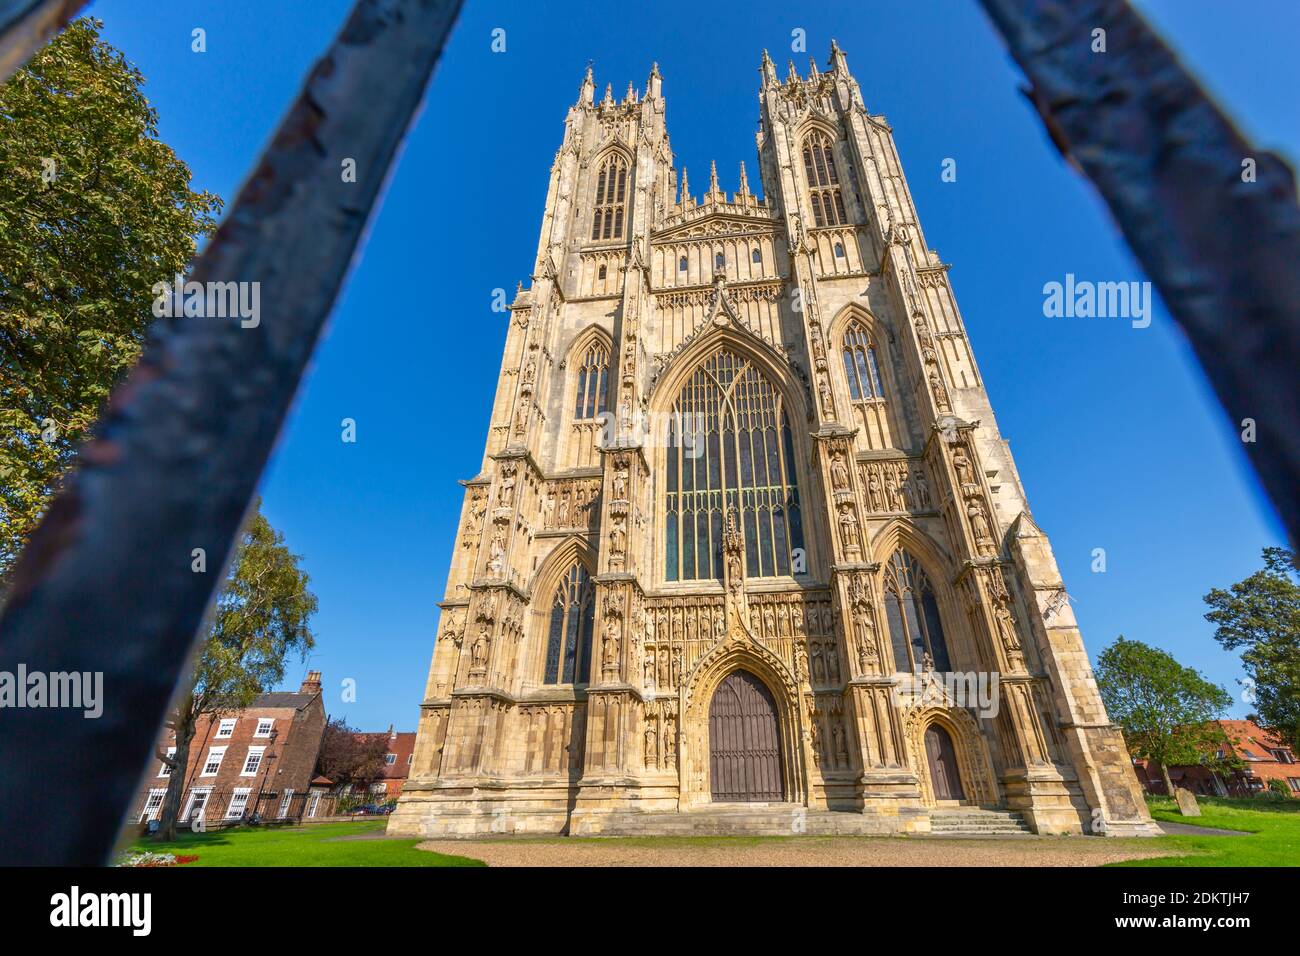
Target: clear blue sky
1117, 437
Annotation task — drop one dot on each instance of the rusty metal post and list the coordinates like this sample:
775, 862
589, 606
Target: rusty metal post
106, 584
1213, 220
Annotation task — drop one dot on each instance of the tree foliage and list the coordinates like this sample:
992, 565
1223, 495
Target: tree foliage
262, 615
94, 210
1167, 711
1261, 616
348, 757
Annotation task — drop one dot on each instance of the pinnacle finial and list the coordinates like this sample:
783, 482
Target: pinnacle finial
686, 187
744, 180
713, 176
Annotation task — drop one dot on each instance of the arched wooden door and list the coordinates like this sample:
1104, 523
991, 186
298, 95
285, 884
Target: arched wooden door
942, 759
744, 742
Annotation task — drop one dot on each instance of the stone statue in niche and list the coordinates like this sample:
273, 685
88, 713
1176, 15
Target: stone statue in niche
479, 652
839, 472
620, 478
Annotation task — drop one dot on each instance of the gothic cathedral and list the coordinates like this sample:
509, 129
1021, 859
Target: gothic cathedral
746, 535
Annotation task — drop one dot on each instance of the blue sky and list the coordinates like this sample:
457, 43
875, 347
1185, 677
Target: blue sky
1118, 439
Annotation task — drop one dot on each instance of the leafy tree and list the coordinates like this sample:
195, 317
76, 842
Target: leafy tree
1261, 615
94, 209
348, 757
1167, 711
261, 616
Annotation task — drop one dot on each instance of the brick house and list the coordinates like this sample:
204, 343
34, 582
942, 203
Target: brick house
1264, 757
257, 761
397, 764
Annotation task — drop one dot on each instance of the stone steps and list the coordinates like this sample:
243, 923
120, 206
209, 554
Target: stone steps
783, 819
976, 821
746, 820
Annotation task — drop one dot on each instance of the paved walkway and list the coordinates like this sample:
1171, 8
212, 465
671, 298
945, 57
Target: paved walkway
800, 851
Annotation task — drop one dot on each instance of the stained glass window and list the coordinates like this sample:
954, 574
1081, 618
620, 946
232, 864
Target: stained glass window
915, 628
568, 641
593, 383
611, 191
860, 366
823, 181
730, 446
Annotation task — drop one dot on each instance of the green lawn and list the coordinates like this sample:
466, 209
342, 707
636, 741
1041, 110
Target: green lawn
316, 845
1274, 833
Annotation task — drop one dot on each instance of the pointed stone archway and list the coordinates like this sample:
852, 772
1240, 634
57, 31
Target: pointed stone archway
735, 653
974, 782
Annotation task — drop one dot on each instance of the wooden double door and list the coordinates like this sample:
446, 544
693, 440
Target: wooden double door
744, 742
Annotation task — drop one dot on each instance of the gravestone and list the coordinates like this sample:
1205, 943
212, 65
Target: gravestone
1187, 805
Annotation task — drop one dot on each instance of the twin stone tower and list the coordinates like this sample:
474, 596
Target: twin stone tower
746, 542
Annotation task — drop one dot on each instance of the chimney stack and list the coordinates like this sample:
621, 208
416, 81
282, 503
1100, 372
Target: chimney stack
312, 684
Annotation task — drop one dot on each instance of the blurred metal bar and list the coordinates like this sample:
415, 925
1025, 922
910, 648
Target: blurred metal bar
105, 583
25, 26
1223, 252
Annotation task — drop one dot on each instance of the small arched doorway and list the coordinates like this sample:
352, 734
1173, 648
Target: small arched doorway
941, 758
744, 742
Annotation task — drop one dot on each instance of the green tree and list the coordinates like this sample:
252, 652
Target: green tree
1167, 711
261, 616
1261, 616
94, 209
348, 757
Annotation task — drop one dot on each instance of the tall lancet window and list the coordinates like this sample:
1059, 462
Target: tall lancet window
860, 366
593, 383
913, 614
823, 181
611, 193
729, 446
568, 640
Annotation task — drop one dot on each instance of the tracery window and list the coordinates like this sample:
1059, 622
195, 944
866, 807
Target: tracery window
860, 366
823, 181
913, 615
611, 190
593, 383
730, 446
568, 640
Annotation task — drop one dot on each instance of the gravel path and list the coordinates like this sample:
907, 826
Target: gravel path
801, 851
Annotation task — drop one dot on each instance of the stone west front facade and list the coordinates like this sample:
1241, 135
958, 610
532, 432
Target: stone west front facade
743, 494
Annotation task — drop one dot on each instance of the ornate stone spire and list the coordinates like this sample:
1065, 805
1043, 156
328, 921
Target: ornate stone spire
587, 91
631, 93
744, 185
715, 194
768, 70
609, 95
686, 190
794, 74
839, 63
654, 82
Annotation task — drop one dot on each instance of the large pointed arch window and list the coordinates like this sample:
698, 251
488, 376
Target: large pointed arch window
729, 446
860, 366
611, 193
568, 639
823, 181
593, 382
915, 629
